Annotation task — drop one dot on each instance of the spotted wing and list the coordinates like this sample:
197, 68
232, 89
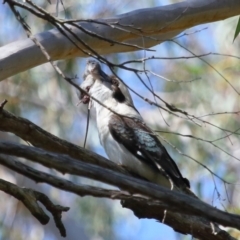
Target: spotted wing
138, 139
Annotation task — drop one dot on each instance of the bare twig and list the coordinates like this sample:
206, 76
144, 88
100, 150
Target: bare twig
206, 141
210, 65
195, 160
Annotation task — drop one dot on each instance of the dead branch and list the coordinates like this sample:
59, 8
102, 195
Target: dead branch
38, 137
198, 226
63, 184
142, 206
175, 201
30, 199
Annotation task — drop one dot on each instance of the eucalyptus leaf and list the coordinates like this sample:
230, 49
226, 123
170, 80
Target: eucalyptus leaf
237, 30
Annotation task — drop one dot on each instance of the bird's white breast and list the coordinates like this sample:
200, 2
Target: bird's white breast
116, 151
103, 94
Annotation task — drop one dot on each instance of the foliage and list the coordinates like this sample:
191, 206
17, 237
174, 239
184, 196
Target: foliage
237, 30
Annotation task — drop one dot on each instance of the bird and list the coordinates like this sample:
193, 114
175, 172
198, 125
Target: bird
124, 135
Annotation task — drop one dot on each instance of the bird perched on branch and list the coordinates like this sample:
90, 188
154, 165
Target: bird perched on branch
127, 140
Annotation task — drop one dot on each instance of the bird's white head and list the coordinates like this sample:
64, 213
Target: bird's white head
93, 68
101, 86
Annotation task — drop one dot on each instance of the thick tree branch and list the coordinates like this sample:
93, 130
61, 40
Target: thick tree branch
142, 206
197, 226
30, 199
80, 190
38, 137
158, 25
176, 201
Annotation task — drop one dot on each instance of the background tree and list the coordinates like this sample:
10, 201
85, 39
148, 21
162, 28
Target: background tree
195, 71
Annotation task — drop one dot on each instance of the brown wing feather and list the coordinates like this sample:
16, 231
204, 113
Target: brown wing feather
137, 138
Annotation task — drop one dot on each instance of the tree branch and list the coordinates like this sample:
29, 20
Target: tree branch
129, 28
198, 226
30, 197
80, 190
175, 201
142, 206
38, 137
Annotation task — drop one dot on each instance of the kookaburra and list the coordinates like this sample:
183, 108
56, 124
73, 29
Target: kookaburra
127, 140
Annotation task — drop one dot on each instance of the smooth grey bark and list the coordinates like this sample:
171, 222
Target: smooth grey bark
158, 25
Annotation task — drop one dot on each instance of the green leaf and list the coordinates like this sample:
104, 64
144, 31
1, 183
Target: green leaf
237, 30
